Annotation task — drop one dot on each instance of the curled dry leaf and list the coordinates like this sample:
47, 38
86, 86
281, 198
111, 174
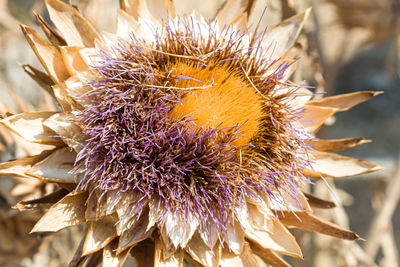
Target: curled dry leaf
334, 165
56, 168
268, 255
307, 221
246, 259
314, 117
69, 211
70, 133
20, 166
135, 234
111, 258
50, 33
131, 7
336, 144
45, 200
175, 260
345, 101
277, 238
48, 55
99, 235
76, 30
281, 37
319, 203
201, 253
232, 9
30, 126
73, 59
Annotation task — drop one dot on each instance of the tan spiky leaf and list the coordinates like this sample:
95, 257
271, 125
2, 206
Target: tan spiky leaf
76, 30
99, 235
51, 34
69, 211
309, 222
111, 258
269, 256
334, 165
232, 9
20, 166
345, 101
48, 55
336, 144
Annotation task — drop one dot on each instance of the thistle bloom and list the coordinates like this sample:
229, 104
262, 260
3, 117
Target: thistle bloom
179, 139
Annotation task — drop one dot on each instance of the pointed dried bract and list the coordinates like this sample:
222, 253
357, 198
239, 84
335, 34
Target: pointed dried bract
179, 139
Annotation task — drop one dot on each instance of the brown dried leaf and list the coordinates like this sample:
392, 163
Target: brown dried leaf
140, 8
56, 168
67, 212
337, 144
345, 101
65, 101
232, 9
309, 222
48, 199
268, 256
235, 238
76, 30
51, 34
246, 259
131, 7
276, 237
111, 258
136, 233
73, 59
201, 253
69, 132
331, 165
41, 78
20, 166
191, 262
91, 206
175, 260
281, 37
99, 235
48, 55
313, 116
319, 203
30, 126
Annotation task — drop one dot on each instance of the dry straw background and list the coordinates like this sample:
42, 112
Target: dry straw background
348, 45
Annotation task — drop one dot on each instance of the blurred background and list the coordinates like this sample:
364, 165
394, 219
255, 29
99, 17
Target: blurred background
347, 46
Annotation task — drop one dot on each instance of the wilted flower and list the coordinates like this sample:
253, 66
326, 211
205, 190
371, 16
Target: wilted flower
180, 139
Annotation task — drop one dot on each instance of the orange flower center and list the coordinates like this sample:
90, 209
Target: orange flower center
218, 97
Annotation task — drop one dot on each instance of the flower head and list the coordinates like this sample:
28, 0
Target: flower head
180, 135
